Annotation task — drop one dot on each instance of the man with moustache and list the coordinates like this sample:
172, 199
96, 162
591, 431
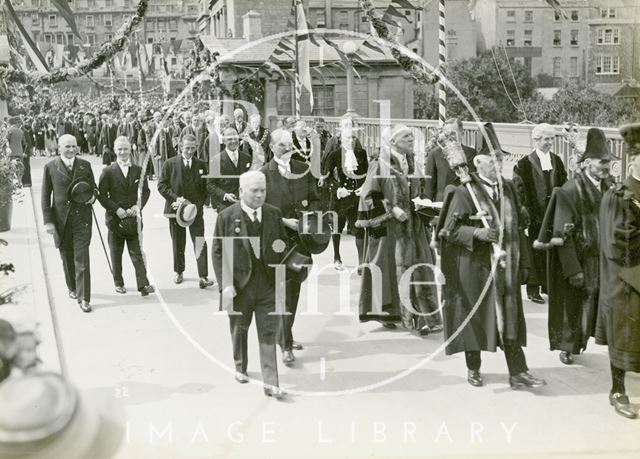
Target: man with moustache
69, 221
250, 288
291, 188
182, 179
118, 185
232, 163
570, 232
535, 177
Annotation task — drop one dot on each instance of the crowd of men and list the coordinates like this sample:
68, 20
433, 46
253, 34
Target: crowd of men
276, 193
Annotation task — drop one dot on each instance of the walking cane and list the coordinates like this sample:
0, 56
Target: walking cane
102, 240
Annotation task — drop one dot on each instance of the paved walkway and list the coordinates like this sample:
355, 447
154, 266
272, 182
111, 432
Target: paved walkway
358, 390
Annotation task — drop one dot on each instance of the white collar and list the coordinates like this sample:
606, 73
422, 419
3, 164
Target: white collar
184, 159
249, 211
68, 162
486, 181
123, 165
595, 181
545, 160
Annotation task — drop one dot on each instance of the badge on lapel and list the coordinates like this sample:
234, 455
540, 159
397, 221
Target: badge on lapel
237, 226
304, 203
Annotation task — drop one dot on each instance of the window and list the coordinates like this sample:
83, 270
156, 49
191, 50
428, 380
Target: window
172, 39
108, 3
173, 24
91, 38
574, 16
452, 33
365, 19
573, 63
127, 3
557, 37
91, 4
528, 38
88, 21
407, 12
610, 13
162, 26
557, 63
556, 16
60, 38
321, 19
323, 100
528, 16
108, 36
574, 38
511, 37
70, 39
151, 25
35, 20
511, 15
608, 36
174, 61
47, 38
150, 40
108, 20
607, 65
53, 20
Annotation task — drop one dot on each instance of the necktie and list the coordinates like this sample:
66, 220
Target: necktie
255, 216
188, 164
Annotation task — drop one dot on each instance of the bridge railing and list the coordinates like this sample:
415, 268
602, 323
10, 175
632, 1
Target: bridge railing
514, 139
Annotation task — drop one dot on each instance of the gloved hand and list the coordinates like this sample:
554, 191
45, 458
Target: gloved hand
486, 234
577, 280
121, 213
399, 214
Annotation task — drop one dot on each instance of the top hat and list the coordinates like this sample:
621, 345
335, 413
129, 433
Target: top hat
80, 191
186, 213
315, 232
631, 135
44, 417
493, 144
597, 147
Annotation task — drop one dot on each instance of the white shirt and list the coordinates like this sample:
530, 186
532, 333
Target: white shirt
283, 167
251, 212
68, 162
595, 181
545, 160
402, 159
186, 162
124, 167
491, 187
233, 156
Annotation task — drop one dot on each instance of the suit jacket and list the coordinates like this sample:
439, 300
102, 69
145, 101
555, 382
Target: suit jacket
228, 181
108, 136
291, 195
54, 200
263, 137
130, 131
163, 145
439, 174
529, 180
118, 191
171, 185
231, 223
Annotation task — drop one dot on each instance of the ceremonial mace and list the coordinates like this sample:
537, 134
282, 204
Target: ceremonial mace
453, 153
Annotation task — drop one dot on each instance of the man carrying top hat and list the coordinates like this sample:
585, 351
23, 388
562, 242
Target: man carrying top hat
118, 186
248, 287
68, 191
571, 235
470, 249
535, 177
182, 178
291, 188
619, 305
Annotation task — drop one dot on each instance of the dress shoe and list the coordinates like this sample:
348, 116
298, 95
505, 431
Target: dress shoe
566, 358
621, 404
536, 298
337, 265
72, 295
297, 346
242, 378
525, 379
120, 289
474, 378
178, 278
144, 291
275, 392
389, 325
204, 282
288, 357
436, 328
85, 306
424, 331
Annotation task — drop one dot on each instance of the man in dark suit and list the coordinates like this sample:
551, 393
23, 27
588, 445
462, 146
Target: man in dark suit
258, 139
239, 123
535, 177
108, 135
68, 221
129, 129
232, 163
181, 179
250, 288
118, 186
291, 188
437, 170
301, 142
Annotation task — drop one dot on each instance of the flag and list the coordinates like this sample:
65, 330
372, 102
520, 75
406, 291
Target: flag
165, 77
555, 4
67, 14
203, 21
30, 47
144, 59
302, 48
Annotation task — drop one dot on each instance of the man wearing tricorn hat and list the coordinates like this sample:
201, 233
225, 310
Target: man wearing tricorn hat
67, 216
570, 232
469, 230
618, 323
535, 177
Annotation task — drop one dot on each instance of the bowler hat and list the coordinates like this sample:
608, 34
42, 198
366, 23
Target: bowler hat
80, 191
297, 263
597, 147
315, 232
186, 213
631, 135
127, 226
44, 417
